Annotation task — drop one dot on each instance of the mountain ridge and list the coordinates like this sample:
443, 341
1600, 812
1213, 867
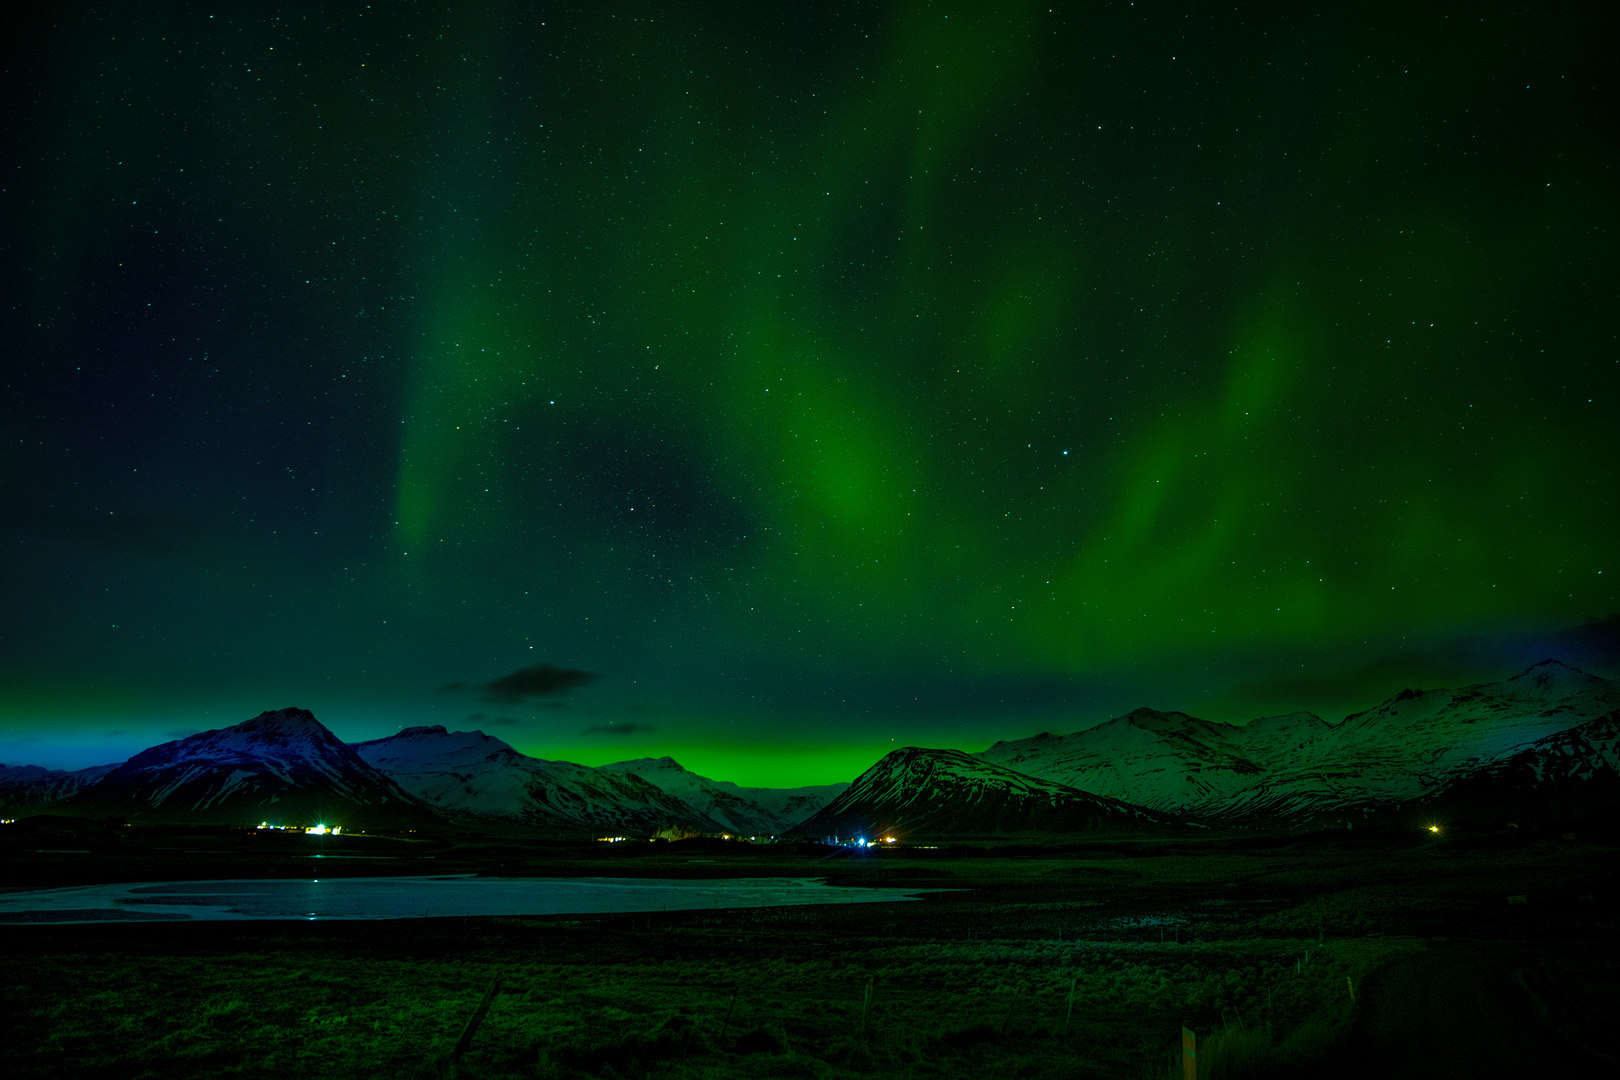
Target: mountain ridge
478, 774
742, 811
1298, 766
1548, 732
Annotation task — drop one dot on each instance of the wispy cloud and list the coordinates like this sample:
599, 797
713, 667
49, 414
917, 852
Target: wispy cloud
620, 729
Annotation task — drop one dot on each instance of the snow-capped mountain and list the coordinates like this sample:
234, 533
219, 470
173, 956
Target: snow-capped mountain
1562, 777
478, 774
283, 766
28, 788
744, 811
1299, 765
913, 793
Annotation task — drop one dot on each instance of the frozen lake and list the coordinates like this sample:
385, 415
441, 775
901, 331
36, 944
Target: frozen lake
416, 898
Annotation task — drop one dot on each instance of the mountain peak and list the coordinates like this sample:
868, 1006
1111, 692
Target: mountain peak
431, 742
272, 728
1156, 721
282, 763
1545, 668
290, 717
1554, 676
665, 762
919, 791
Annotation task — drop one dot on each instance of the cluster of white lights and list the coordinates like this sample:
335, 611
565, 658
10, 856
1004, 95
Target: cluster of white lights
315, 830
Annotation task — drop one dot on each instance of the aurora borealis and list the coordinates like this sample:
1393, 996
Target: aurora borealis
806, 379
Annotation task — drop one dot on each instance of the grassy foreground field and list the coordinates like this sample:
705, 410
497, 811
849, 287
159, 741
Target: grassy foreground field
1317, 957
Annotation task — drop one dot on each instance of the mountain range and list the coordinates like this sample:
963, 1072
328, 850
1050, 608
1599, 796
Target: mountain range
33, 787
286, 768
1542, 745
1411, 749
477, 775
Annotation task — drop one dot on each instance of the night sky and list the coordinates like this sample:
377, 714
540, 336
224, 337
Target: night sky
774, 384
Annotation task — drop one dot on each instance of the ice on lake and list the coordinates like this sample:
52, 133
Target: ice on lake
417, 898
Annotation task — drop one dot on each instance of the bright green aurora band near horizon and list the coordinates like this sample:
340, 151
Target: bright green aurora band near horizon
751, 365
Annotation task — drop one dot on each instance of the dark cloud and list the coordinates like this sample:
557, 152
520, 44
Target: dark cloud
115, 734
182, 733
539, 680
620, 729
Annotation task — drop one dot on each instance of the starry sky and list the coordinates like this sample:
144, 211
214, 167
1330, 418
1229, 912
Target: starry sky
774, 384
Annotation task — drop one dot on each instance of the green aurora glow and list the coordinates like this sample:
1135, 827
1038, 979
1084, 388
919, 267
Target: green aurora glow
824, 380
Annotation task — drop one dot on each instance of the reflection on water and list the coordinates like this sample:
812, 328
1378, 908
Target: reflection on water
416, 898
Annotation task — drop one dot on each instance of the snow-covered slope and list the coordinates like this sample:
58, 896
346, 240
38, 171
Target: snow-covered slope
282, 766
1168, 761
477, 774
31, 788
745, 811
1563, 777
1298, 765
916, 794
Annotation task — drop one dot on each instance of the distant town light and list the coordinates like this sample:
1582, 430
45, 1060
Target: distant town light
318, 830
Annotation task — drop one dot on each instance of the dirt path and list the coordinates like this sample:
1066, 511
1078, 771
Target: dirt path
1482, 1010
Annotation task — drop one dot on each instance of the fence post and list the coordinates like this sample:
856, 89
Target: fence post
1070, 1014
473, 1022
725, 1027
1189, 1054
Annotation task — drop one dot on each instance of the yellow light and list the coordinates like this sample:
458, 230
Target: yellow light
1434, 828
318, 830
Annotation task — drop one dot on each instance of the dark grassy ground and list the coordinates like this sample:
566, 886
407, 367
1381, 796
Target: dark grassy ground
1256, 944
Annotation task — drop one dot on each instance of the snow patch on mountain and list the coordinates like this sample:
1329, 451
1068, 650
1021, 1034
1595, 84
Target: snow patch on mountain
1565, 777
474, 773
915, 793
